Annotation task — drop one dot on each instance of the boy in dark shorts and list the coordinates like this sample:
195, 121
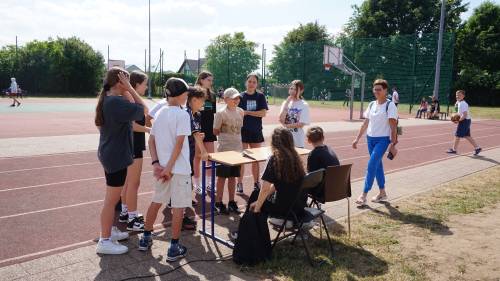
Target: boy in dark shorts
227, 126
463, 127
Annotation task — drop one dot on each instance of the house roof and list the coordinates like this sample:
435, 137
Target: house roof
132, 67
192, 65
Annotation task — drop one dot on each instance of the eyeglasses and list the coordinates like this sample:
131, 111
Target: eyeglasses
377, 89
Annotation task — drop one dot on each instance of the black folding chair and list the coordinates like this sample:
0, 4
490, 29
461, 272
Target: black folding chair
336, 186
311, 180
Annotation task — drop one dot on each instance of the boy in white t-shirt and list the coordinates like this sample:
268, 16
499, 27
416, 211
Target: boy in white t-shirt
395, 96
169, 148
463, 127
294, 113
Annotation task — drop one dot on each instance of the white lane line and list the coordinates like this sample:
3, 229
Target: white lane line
147, 157
418, 147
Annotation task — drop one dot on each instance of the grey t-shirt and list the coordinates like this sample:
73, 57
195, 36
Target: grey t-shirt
116, 142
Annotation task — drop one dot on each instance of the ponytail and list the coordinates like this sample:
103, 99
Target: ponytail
99, 118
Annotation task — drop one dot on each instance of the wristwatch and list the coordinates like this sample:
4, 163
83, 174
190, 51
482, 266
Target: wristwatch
154, 162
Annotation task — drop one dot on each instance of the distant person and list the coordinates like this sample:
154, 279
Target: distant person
220, 94
422, 108
435, 109
347, 98
294, 113
118, 105
13, 91
255, 106
464, 123
381, 130
395, 96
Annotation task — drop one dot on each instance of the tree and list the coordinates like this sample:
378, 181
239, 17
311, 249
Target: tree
65, 66
383, 18
231, 58
300, 56
478, 51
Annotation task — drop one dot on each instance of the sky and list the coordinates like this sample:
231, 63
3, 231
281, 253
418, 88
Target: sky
176, 26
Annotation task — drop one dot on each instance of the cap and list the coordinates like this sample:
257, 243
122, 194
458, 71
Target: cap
175, 87
231, 93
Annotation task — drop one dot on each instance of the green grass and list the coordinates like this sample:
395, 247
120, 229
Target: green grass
375, 252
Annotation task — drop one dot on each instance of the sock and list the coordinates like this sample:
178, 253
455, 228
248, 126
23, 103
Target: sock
102, 239
124, 209
147, 233
132, 215
174, 241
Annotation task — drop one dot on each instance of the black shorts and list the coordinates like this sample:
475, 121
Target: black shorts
116, 179
224, 171
138, 154
251, 137
463, 128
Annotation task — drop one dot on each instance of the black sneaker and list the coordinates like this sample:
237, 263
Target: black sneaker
477, 150
123, 217
221, 208
136, 224
188, 224
239, 188
233, 207
256, 185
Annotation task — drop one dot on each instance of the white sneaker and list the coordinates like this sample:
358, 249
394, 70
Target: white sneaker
109, 247
117, 235
279, 223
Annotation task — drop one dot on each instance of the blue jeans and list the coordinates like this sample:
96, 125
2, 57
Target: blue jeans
376, 147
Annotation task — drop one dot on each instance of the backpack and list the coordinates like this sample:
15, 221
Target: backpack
399, 129
253, 244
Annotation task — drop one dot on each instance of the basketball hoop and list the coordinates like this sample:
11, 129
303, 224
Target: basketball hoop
327, 66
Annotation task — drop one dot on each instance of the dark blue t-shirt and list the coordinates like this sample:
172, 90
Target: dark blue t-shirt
255, 102
195, 127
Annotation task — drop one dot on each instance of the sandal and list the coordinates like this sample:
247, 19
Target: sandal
378, 199
451, 151
360, 201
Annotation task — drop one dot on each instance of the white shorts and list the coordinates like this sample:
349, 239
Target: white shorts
177, 190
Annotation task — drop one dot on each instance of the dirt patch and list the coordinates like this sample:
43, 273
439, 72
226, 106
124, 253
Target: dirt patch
470, 252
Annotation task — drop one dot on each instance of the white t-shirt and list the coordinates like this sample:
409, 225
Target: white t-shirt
463, 107
395, 97
171, 122
13, 87
378, 126
157, 107
298, 112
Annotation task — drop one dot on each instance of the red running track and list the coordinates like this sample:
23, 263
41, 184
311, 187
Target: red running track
52, 203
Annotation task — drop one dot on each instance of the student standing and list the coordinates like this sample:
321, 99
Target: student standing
14, 92
227, 127
395, 96
129, 214
205, 80
169, 148
255, 107
294, 113
117, 107
463, 125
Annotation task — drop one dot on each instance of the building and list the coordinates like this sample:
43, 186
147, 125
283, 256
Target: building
190, 67
132, 67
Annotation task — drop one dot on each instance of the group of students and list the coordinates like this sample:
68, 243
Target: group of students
183, 128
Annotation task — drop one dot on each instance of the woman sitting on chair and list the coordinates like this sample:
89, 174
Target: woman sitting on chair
282, 176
